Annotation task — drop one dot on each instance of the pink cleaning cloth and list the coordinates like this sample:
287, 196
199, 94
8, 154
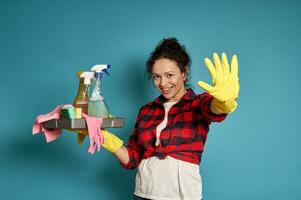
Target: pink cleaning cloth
50, 134
94, 131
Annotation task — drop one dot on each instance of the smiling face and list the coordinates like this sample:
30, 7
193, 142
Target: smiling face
168, 79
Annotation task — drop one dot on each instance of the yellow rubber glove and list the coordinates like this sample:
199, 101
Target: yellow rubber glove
225, 86
111, 142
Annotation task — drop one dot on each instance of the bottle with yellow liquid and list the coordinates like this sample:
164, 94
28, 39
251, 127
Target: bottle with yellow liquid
82, 97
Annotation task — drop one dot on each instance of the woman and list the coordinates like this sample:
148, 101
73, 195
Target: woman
170, 132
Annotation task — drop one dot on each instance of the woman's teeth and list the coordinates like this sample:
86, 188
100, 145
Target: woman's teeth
165, 90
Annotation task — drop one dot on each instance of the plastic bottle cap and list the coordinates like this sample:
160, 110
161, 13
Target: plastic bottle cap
87, 77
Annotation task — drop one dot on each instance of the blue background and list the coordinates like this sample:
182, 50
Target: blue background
254, 154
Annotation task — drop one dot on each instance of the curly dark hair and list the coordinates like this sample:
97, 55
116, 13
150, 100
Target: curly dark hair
171, 49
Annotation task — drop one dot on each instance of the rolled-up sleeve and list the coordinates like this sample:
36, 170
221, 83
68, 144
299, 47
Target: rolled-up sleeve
134, 149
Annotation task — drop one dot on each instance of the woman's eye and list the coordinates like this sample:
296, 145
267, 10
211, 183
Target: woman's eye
155, 77
169, 75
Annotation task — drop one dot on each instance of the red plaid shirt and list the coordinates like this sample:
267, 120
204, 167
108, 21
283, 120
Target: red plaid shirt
183, 137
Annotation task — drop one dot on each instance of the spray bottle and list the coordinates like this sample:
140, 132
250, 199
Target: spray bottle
82, 97
96, 105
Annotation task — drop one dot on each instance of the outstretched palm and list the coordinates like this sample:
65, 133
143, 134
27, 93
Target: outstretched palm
225, 81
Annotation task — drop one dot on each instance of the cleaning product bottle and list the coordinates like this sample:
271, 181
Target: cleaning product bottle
96, 105
82, 97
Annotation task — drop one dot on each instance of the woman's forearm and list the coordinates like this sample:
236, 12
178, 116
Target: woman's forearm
122, 155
